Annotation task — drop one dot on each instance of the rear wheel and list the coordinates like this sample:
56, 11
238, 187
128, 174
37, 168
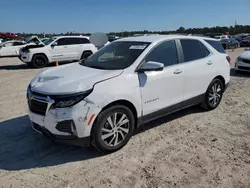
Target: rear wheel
213, 95
39, 61
113, 128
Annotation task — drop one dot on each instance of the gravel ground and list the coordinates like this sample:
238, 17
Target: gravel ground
190, 149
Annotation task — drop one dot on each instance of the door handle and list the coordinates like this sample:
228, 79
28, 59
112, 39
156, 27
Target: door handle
177, 71
210, 63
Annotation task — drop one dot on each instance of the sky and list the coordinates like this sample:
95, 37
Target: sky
56, 16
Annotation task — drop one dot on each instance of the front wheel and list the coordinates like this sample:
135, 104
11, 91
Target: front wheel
86, 55
113, 128
39, 61
213, 95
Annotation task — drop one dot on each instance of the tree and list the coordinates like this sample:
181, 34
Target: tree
181, 30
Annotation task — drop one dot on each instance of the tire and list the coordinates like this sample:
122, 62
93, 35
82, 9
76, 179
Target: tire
29, 64
213, 95
107, 139
86, 55
39, 61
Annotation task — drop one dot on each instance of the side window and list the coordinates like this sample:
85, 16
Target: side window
216, 45
18, 43
61, 42
165, 53
204, 50
73, 41
84, 41
191, 49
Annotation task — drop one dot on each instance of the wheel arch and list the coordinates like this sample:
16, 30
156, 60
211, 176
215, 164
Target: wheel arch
40, 54
122, 102
222, 79
90, 51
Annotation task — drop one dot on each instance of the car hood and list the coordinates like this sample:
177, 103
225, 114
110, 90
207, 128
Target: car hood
69, 79
245, 55
33, 39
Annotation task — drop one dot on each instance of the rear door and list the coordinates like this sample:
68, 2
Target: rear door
73, 48
198, 69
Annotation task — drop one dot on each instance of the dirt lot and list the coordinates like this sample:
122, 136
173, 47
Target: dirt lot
188, 149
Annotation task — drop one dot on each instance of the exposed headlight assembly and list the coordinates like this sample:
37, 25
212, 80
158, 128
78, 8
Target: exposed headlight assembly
62, 101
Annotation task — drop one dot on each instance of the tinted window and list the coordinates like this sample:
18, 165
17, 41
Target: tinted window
84, 41
72, 41
216, 45
18, 43
204, 50
61, 42
165, 53
191, 49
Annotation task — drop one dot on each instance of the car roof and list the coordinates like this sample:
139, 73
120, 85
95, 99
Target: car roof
70, 36
13, 41
157, 38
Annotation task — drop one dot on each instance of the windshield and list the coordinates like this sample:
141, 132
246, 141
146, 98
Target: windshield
225, 40
116, 55
48, 41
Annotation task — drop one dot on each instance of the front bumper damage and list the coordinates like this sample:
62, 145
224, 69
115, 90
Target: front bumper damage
70, 139
69, 125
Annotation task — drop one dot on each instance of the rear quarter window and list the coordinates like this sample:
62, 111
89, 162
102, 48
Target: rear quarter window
216, 45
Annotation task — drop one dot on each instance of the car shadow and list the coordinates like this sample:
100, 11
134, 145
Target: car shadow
24, 66
242, 74
169, 118
14, 67
22, 148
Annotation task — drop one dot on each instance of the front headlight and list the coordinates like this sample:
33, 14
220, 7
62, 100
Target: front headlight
69, 100
239, 59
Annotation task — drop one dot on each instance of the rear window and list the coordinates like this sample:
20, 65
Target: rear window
216, 45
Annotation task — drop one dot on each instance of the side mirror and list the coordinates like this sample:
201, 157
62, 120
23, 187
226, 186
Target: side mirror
151, 66
54, 44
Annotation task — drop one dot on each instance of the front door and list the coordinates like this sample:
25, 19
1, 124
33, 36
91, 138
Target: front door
162, 91
59, 50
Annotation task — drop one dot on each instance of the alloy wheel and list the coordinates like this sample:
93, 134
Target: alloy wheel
115, 129
215, 94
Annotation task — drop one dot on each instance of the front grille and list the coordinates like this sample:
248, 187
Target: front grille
38, 107
245, 60
244, 68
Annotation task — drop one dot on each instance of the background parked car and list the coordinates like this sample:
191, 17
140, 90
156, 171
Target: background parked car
243, 62
11, 48
245, 42
221, 37
239, 37
62, 48
229, 43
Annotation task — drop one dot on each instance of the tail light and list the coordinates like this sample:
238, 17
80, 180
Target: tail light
228, 59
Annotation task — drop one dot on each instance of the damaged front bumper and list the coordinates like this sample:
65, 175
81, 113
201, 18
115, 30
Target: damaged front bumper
70, 125
70, 139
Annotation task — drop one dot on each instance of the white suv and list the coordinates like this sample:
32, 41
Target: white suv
63, 48
104, 98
